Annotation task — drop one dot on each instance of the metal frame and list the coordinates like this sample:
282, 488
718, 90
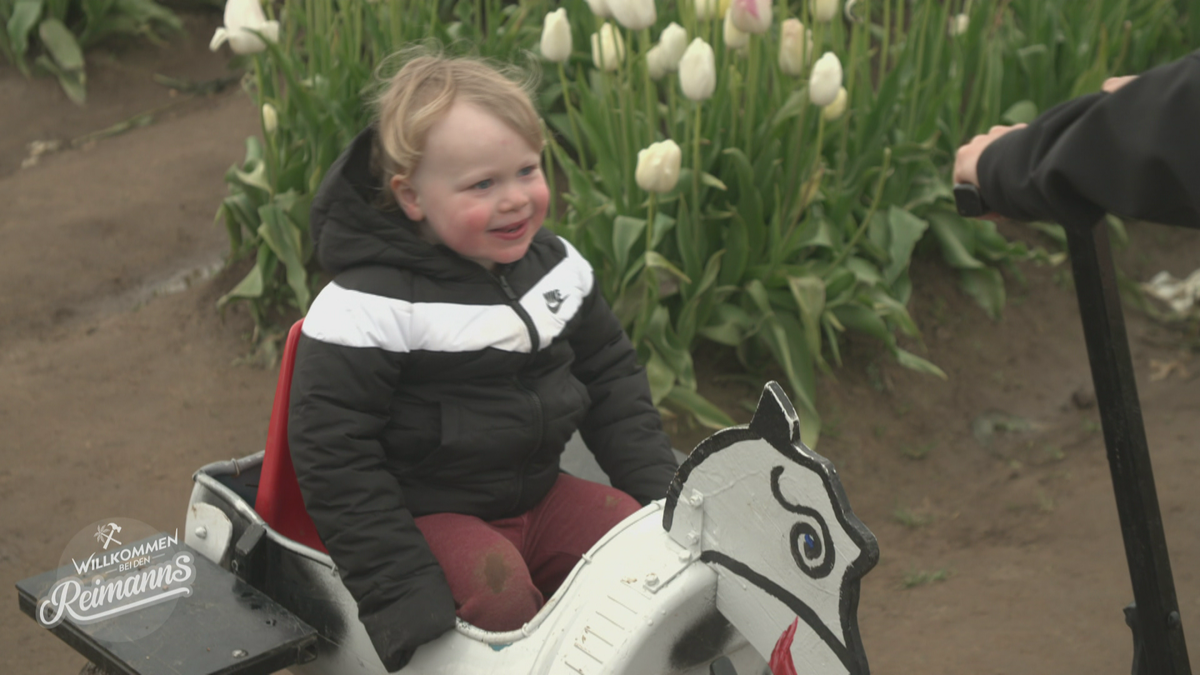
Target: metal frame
1158, 642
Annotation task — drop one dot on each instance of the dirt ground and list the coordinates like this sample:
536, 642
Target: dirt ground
1001, 552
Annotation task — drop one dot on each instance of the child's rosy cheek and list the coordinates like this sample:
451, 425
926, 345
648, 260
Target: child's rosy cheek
540, 194
477, 218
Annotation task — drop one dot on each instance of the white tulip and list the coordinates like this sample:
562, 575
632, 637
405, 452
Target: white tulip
825, 80
959, 24
734, 38
633, 14
707, 9
270, 118
658, 167
556, 36
751, 16
242, 16
795, 47
674, 43
824, 10
608, 48
698, 71
835, 110
656, 61
600, 8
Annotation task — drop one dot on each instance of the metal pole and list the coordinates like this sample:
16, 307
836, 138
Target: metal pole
1157, 614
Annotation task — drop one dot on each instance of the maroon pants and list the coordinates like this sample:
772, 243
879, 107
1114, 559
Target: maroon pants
501, 571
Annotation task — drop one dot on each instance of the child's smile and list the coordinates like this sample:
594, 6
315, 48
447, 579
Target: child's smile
478, 187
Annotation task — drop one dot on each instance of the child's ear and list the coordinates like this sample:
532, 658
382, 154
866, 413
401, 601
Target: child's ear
406, 196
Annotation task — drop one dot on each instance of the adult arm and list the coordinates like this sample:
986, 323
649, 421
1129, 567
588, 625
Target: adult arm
339, 406
1132, 152
623, 427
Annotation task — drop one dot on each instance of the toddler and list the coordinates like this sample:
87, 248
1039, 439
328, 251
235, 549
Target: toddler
441, 373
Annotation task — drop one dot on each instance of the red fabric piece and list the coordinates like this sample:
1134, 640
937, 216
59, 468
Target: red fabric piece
781, 657
501, 571
279, 501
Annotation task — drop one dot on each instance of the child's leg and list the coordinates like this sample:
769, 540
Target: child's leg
568, 521
488, 578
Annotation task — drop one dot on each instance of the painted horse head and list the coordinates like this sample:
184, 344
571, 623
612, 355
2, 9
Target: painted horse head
770, 516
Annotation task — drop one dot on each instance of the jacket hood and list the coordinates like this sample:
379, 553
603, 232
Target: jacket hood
348, 231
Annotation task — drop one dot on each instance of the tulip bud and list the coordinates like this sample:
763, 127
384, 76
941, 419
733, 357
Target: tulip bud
795, 47
825, 80
633, 14
707, 9
751, 16
698, 71
824, 10
600, 8
556, 36
674, 43
608, 48
656, 61
959, 24
834, 110
270, 118
734, 38
658, 167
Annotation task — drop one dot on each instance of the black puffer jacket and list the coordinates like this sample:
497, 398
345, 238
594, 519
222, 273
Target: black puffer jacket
424, 384
1134, 153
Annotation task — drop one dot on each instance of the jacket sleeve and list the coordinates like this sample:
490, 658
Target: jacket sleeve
1132, 153
622, 428
339, 405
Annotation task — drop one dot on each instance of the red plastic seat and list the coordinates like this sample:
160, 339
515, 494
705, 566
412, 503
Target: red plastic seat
279, 501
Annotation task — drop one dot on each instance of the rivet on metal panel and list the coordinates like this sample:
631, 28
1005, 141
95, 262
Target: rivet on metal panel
202, 532
652, 579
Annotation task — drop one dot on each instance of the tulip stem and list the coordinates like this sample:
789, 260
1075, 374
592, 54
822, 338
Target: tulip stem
650, 222
261, 95
752, 93
576, 139
883, 176
651, 88
696, 166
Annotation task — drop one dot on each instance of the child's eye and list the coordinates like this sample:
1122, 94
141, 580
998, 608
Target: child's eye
483, 184
527, 170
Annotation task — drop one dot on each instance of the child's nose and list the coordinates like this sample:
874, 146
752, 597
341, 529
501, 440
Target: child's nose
514, 198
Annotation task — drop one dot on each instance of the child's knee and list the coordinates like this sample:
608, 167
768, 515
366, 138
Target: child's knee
503, 596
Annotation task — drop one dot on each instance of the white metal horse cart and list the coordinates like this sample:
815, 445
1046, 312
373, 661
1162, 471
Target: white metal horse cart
750, 564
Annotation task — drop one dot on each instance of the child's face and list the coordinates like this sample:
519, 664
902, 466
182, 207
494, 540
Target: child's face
478, 188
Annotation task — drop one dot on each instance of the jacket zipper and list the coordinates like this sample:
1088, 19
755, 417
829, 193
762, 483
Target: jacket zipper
534, 399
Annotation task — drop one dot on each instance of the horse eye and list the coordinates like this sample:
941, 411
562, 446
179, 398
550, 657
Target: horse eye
812, 546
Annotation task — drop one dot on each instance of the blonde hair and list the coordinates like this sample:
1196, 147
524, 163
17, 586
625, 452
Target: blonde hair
423, 90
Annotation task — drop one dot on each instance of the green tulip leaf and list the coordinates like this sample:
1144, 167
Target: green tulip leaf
61, 44
626, 232
1021, 112
701, 408
914, 362
658, 261
25, 15
987, 287
662, 378
906, 229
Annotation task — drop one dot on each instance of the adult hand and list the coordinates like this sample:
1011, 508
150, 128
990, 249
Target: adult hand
967, 159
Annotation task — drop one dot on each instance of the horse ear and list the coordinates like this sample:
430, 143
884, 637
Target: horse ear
775, 420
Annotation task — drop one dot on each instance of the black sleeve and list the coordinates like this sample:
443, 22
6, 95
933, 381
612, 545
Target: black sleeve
622, 428
1134, 153
339, 406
